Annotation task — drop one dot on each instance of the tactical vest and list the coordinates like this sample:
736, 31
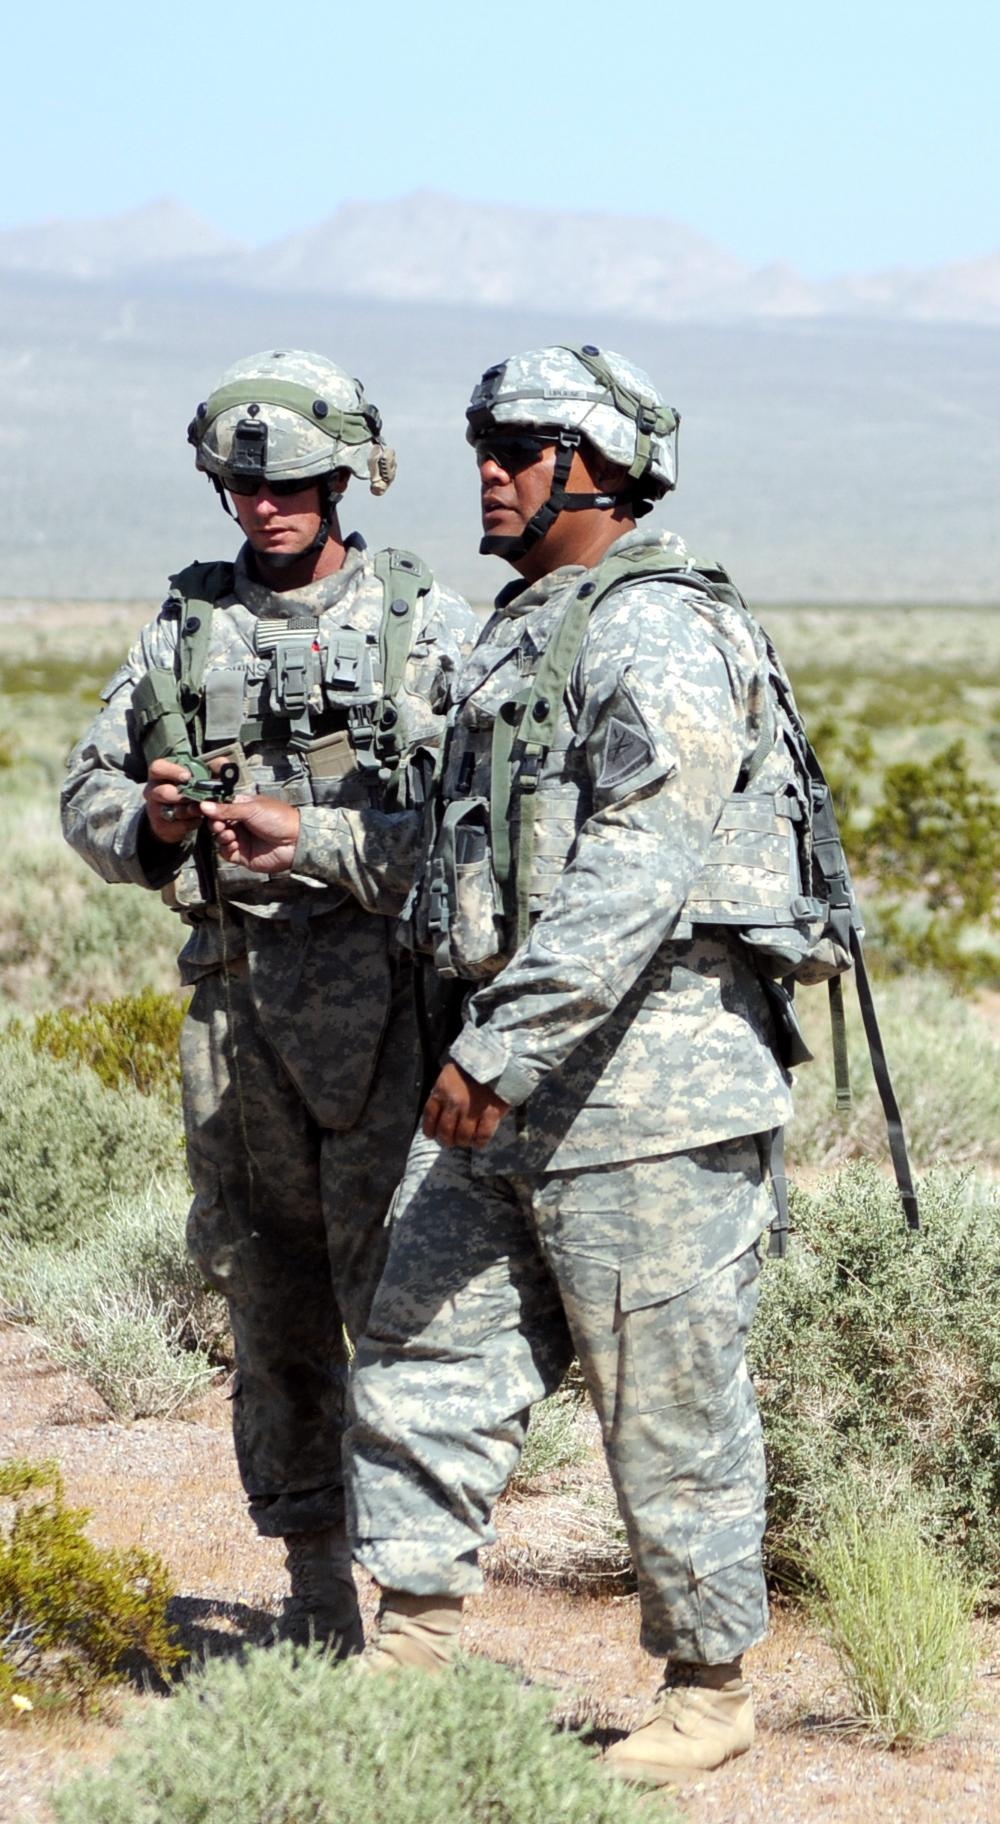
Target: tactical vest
325, 698
515, 792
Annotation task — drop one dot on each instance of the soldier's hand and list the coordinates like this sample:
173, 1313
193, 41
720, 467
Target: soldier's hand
462, 1112
171, 817
257, 833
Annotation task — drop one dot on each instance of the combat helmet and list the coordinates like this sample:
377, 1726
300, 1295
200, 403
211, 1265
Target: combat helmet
581, 394
286, 417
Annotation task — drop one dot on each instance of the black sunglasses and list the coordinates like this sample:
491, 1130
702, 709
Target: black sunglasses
511, 454
252, 484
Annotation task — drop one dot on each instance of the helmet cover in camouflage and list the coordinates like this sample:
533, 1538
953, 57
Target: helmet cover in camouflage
616, 408
307, 416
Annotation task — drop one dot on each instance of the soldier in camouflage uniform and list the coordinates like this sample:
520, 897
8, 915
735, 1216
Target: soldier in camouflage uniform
300, 1052
592, 1176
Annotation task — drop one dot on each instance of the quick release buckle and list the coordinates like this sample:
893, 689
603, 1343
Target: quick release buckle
529, 773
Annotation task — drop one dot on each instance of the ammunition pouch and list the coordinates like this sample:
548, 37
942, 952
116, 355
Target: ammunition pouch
460, 909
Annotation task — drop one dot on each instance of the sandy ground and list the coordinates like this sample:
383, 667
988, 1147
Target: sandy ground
170, 1485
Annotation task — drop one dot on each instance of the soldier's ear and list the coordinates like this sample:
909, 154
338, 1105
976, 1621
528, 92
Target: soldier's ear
608, 477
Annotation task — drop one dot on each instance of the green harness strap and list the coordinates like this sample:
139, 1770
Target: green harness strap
198, 587
404, 579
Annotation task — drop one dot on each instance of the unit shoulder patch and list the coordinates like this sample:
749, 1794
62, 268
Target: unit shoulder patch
628, 750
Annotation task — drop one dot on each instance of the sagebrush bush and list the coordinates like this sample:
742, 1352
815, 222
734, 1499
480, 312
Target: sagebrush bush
897, 1612
127, 1308
945, 1061
67, 1144
876, 1353
66, 937
133, 1040
72, 1614
286, 1737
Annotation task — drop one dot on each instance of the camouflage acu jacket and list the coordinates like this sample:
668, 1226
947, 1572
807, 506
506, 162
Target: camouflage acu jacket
303, 937
612, 1039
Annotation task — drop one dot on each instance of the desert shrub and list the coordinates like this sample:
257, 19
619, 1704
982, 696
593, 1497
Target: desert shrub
554, 1440
66, 937
945, 1062
937, 832
846, 753
125, 1346
51, 674
285, 1737
67, 1144
72, 1615
932, 847
898, 1614
127, 1308
133, 1040
877, 1354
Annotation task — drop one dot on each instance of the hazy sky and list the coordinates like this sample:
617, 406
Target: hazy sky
852, 135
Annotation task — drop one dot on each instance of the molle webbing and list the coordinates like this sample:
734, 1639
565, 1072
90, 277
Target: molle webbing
404, 579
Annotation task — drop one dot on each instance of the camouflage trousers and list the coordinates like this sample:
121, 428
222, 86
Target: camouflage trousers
648, 1272
288, 1220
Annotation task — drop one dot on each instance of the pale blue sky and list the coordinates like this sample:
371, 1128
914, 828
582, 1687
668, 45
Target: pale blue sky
844, 137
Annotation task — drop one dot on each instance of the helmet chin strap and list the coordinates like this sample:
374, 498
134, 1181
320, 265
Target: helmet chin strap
559, 501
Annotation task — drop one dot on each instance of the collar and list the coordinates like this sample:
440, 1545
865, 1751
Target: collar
314, 599
517, 597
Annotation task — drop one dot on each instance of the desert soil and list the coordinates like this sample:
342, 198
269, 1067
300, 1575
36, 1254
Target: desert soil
171, 1486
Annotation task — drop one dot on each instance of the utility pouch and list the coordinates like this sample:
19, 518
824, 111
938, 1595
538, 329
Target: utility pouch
465, 914
331, 756
164, 735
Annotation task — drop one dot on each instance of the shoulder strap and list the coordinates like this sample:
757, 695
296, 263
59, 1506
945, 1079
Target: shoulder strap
197, 589
404, 578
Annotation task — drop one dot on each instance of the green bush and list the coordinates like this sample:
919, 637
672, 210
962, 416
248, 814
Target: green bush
133, 1040
898, 1615
877, 1354
945, 1062
285, 1737
126, 1309
71, 1614
932, 851
65, 936
937, 833
67, 1144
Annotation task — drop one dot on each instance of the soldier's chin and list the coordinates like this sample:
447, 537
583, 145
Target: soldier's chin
269, 559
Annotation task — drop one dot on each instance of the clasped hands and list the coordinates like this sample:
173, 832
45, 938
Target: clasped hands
262, 834
258, 833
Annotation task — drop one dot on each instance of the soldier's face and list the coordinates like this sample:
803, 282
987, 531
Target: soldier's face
282, 525
510, 496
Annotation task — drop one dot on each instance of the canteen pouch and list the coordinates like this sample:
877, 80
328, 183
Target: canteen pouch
465, 913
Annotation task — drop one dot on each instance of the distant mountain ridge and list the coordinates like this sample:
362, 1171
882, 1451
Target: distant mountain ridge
428, 248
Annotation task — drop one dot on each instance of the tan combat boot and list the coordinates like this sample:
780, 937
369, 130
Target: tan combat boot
323, 1604
702, 1716
418, 1633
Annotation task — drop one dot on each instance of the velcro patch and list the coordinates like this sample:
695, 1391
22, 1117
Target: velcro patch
627, 750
